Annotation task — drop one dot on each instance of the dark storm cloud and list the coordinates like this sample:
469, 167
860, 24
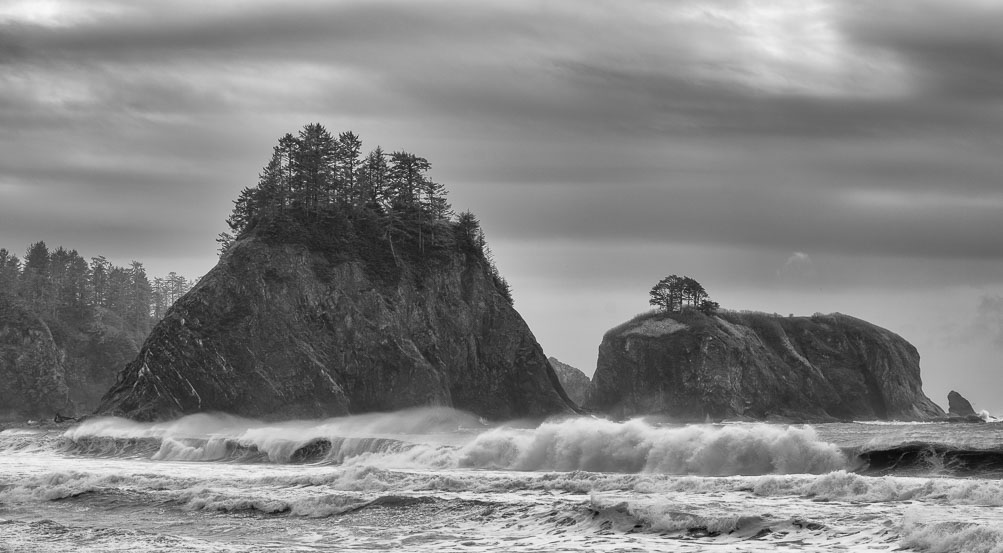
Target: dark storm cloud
834, 127
348, 31
954, 49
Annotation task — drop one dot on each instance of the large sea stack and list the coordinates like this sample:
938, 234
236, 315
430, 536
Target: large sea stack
694, 366
319, 318
349, 288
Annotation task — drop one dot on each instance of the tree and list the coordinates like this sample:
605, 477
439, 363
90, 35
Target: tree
70, 280
315, 163
373, 179
406, 175
99, 280
349, 148
140, 296
10, 272
225, 240
36, 281
468, 230
119, 290
673, 292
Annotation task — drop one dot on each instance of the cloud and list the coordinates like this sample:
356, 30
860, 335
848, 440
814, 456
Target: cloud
953, 50
822, 126
988, 323
797, 269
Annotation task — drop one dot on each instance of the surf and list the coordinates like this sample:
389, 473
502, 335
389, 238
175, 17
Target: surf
438, 438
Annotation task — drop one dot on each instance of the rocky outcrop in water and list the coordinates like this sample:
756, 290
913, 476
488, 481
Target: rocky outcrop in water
32, 377
692, 366
313, 319
574, 381
958, 406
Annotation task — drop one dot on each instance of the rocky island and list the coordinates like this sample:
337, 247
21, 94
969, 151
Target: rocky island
692, 365
347, 287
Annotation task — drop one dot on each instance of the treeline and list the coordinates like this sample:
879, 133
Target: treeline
62, 284
314, 172
98, 313
315, 176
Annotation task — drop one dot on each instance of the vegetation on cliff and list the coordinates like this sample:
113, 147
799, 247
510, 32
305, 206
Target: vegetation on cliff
675, 292
32, 376
320, 190
96, 314
337, 295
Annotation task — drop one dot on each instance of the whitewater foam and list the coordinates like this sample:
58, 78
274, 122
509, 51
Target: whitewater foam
453, 483
566, 445
637, 446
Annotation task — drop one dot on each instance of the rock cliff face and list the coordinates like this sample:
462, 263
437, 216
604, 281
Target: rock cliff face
32, 377
692, 366
574, 381
336, 318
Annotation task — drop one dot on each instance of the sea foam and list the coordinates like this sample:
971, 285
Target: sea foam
636, 446
445, 438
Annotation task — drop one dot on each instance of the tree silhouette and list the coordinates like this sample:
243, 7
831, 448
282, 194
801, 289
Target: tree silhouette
674, 292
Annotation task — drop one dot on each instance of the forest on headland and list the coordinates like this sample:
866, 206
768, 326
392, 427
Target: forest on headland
98, 313
317, 182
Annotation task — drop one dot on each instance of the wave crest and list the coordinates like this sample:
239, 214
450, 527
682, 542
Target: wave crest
636, 446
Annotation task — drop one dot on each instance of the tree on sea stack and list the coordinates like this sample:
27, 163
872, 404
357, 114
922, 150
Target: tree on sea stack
674, 292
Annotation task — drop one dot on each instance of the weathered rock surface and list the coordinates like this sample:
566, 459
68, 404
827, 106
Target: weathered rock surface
32, 377
959, 406
575, 382
335, 319
692, 366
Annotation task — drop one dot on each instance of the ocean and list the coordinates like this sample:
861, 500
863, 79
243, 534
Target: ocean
441, 480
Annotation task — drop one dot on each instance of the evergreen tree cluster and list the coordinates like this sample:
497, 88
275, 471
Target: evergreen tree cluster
314, 173
99, 314
674, 292
61, 285
315, 176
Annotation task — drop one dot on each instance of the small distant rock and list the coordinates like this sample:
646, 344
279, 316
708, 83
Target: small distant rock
575, 382
959, 406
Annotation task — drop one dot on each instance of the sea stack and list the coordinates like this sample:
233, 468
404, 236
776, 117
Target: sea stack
694, 366
958, 406
330, 319
349, 287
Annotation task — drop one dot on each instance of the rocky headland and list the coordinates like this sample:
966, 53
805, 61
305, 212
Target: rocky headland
31, 366
755, 366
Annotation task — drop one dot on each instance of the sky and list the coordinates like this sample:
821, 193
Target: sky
794, 156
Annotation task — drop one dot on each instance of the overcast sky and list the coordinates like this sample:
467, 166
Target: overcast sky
793, 156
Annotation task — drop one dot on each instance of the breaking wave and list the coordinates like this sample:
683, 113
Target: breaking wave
444, 438
636, 446
935, 459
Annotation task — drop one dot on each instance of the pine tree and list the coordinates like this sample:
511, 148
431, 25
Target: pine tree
139, 297
348, 163
99, 281
315, 159
10, 272
373, 180
36, 283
